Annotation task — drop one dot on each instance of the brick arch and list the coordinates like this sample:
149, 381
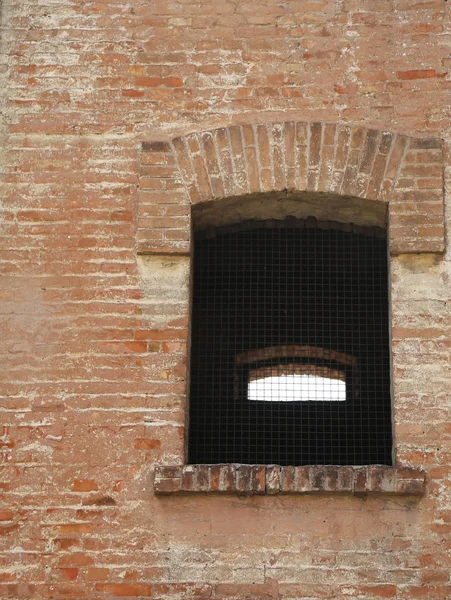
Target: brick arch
346, 160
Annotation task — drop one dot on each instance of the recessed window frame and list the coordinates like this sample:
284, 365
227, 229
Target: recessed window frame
371, 231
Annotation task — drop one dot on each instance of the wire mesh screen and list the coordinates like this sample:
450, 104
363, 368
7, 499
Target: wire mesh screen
290, 346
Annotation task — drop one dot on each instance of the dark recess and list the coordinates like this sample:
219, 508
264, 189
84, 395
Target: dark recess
297, 283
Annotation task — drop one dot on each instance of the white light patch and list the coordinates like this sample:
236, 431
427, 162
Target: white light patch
296, 388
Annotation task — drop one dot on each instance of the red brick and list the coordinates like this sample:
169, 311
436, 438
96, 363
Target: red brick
239, 162
273, 480
136, 346
419, 74
258, 479
97, 574
76, 528
361, 481
381, 479
345, 481
146, 444
316, 130
6, 514
68, 573
76, 559
168, 480
287, 479
244, 479
302, 479
188, 479
211, 159
167, 486
228, 479
84, 485
215, 476
331, 479
410, 487
124, 589
202, 478
317, 478
264, 157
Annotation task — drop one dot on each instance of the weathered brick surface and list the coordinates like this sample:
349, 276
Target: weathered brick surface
260, 479
367, 163
117, 117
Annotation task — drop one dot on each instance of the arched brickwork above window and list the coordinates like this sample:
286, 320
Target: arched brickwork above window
324, 158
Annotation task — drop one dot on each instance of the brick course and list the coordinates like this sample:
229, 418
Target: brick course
124, 122
259, 479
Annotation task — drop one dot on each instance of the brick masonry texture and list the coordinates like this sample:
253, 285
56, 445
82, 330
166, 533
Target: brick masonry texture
239, 160
120, 120
259, 479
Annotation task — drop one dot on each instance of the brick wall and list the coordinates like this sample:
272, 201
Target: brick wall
116, 117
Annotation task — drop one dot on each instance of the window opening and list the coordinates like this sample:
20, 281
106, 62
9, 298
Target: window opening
290, 345
297, 374
288, 384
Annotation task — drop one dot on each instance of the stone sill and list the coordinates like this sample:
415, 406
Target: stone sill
271, 480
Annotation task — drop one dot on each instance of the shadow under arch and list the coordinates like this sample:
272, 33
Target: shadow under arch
282, 205
293, 160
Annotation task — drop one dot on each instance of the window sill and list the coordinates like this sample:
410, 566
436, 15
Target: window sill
272, 480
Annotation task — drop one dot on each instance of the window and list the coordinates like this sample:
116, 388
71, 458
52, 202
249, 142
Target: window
295, 383
279, 375
290, 345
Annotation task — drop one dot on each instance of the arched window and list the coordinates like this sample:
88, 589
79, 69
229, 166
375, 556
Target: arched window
296, 374
255, 288
290, 345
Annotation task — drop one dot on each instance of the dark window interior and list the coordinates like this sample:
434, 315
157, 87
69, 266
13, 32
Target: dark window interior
321, 287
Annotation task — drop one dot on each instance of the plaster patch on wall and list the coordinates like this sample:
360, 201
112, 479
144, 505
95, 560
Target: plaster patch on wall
164, 282
418, 277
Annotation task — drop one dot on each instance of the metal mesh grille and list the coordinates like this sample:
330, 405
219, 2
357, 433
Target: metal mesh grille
290, 346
